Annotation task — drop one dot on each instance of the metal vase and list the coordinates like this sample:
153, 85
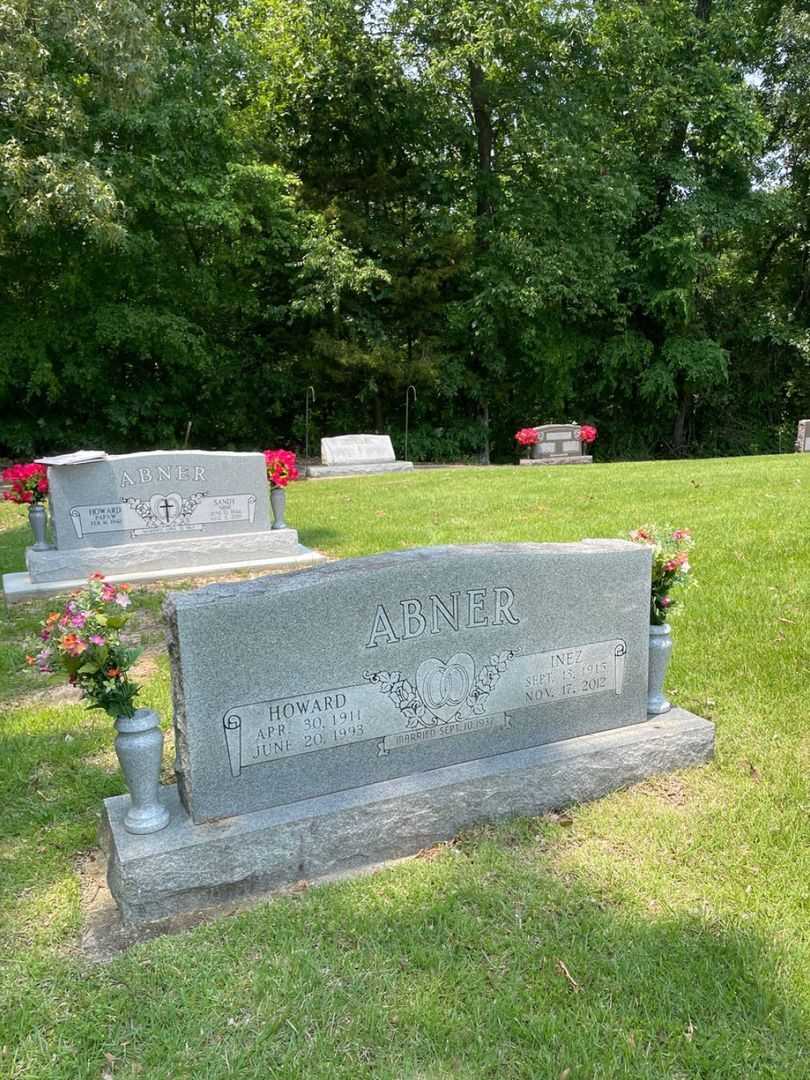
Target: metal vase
278, 500
38, 519
139, 745
660, 654
534, 451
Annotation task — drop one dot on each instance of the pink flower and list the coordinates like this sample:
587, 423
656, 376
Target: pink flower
665, 601
78, 620
588, 433
527, 436
96, 639
108, 593
281, 468
122, 599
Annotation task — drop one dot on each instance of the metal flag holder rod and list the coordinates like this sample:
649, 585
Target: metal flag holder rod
310, 390
407, 413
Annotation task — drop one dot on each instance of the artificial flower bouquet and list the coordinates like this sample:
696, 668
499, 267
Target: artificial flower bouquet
670, 566
587, 434
281, 467
29, 483
527, 436
83, 641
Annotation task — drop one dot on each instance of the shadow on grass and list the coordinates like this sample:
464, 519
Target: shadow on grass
13, 543
316, 535
478, 964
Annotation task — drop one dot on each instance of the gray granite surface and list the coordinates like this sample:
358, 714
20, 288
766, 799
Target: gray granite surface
565, 459
168, 495
191, 867
367, 670
357, 450
803, 437
161, 553
326, 472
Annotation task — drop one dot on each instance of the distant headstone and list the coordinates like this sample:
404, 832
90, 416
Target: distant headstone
158, 514
336, 717
558, 444
357, 455
803, 437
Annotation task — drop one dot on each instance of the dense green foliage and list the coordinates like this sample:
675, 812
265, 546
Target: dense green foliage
528, 210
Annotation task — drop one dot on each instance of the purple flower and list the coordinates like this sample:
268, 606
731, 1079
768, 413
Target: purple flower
78, 620
122, 599
96, 639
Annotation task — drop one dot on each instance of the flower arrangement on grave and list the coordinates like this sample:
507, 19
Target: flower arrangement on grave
29, 483
83, 641
670, 567
29, 487
587, 434
281, 467
527, 436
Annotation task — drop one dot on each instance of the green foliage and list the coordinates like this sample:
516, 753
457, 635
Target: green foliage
523, 209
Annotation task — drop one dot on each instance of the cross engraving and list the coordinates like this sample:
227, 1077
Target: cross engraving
166, 506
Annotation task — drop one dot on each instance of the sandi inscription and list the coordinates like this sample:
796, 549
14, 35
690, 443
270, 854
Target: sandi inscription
371, 669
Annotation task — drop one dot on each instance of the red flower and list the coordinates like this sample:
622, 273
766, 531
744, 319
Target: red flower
587, 433
527, 436
281, 467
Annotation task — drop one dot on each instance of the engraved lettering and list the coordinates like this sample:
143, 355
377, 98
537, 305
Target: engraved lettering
504, 598
449, 614
475, 607
381, 628
126, 479
164, 472
413, 621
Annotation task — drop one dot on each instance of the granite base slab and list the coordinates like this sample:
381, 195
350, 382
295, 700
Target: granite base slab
189, 867
325, 472
559, 459
19, 587
58, 564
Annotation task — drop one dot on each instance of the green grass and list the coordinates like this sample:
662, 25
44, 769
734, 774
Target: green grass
680, 908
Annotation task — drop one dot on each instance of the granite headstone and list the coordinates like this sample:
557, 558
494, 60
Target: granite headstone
803, 437
144, 516
357, 455
558, 444
330, 719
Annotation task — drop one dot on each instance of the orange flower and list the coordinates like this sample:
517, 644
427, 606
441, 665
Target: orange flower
73, 645
124, 587
52, 618
30, 660
112, 672
96, 576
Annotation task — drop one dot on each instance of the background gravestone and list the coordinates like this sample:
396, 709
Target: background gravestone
144, 516
559, 444
357, 455
803, 437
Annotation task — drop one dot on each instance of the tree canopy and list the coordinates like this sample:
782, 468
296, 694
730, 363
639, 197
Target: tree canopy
531, 211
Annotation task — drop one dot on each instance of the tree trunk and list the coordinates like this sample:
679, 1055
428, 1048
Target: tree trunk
679, 427
484, 417
484, 209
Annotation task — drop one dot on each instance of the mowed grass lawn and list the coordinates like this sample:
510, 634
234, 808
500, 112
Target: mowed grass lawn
660, 933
